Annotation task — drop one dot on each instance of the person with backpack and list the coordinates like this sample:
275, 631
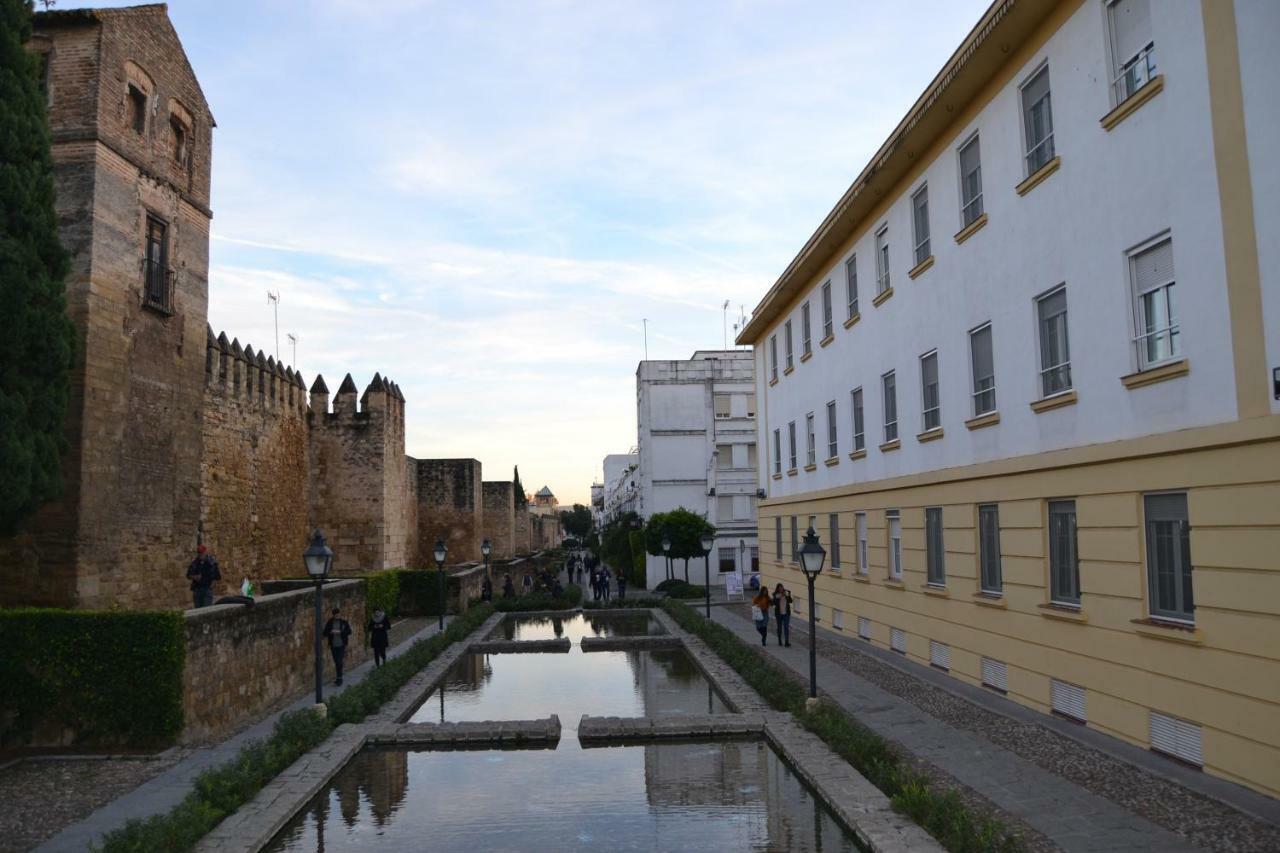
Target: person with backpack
337, 631
203, 574
760, 614
379, 636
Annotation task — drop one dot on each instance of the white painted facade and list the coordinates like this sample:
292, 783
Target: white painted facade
697, 450
1152, 175
621, 485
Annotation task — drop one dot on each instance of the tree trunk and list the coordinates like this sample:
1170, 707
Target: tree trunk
686, 569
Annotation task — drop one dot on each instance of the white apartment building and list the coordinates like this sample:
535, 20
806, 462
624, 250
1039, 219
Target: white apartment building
697, 449
621, 485
1024, 379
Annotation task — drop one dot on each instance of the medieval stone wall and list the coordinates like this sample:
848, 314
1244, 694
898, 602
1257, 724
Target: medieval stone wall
523, 530
499, 518
450, 507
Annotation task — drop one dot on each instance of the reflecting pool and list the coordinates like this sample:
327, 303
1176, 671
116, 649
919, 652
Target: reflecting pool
575, 626
728, 795
649, 683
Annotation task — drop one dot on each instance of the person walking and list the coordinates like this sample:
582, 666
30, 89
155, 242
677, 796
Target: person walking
527, 583
605, 584
508, 588
760, 613
380, 636
337, 631
622, 586
486, 590
782, 612
203, 573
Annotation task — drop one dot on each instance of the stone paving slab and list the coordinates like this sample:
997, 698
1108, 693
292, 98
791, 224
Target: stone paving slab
504, 647
1072, 817
488, 732
593, 731
735, 691
622, 644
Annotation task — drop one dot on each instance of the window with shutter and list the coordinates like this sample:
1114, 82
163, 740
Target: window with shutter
939, 655
786, 339
805, 328
898, 640
827, 319
1037, 114
811, 449
791, 439
934, 553
930, 396
989, 548
920, 222
1175, 737
722, 404
983, 365
970, 182
777, 532
893, 520
834, 542
833, 446
882, 261
859, 436
795, 538
1064, 567
864, 627
777, 451
773, 358
1157, 335
1055, 351
1132, 50
1067, 699
851, 285
995, 674
1169, 557
860, 522
890, 386
837, 619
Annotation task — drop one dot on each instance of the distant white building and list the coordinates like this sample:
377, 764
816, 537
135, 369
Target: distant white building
697, 450
621, 485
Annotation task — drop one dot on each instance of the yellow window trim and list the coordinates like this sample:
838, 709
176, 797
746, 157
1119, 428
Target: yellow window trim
890, 445
1130, 105
849, 324
920, 268
1038, 176
989, 419
1057, 401
882, 298
834, 460
808, 354
929, 435
828, 339
1159, 373
972, 228
858, 454
1063, 613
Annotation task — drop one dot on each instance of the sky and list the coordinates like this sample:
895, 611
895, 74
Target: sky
486, 201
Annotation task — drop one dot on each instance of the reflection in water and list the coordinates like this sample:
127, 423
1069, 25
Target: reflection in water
577, 626
533, 686
731, 795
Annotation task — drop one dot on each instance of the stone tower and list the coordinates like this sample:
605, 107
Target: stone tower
132, 140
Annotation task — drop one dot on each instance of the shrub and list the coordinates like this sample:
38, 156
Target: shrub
623, 604
676, 588
420, 592
569, 600
382, 592
942, 814
112, 677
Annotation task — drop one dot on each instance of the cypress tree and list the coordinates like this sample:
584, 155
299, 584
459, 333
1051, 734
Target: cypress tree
521, 500
36, 336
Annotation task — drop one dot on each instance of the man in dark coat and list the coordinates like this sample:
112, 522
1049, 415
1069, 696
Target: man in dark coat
202, 573
337, 631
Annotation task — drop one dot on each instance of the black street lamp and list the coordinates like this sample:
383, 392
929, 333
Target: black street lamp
440, 553
485, 550
666, 552
707, 542
812, 556
318, 558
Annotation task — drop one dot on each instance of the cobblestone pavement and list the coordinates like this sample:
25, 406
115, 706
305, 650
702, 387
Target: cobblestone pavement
63, 790
1091, 776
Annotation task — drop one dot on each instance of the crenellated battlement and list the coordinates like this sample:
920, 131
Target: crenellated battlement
381, 396
255, 379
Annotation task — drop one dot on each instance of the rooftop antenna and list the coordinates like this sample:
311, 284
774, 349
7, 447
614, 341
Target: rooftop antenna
273, 297
724, 321
646, 338
293, 342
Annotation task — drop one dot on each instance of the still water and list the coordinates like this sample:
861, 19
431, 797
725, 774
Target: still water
576, 626
729, 795
649, 683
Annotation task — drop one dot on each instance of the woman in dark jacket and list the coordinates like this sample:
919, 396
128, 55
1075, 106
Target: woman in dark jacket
782, 612
379, 636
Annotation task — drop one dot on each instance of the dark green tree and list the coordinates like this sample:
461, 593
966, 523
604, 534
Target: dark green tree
521, 498
577, 521
684, 528
37, 339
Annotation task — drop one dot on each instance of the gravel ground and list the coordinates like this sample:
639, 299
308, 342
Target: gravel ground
1202, 821
38, 797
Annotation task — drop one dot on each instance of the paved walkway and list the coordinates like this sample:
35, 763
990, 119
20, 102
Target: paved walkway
1070, 816
161, 793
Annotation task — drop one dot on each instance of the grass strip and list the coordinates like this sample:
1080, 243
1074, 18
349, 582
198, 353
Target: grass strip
221, 790
941, 813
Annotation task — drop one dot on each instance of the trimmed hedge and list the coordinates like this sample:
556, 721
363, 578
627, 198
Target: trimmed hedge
221, 790
570, 600
676, 588
112, 677
382, 592
628, 603
638, 575
419, 591
941, 814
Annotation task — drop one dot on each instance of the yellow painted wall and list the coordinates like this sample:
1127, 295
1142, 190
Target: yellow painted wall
1224, 676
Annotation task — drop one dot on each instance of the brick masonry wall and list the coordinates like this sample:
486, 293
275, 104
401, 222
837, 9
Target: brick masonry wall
523, 530
244, 662
450, 507
254, 467
500, 517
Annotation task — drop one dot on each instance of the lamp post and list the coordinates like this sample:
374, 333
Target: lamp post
318, 558
707, 541
812, 556
440, 553
485, 550
666, 552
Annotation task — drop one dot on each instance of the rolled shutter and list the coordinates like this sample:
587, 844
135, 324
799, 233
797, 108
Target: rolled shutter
1067, 699
898, 640
995, 674
940, 655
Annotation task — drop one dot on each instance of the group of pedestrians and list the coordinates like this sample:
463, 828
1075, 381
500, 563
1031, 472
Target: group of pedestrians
780, 604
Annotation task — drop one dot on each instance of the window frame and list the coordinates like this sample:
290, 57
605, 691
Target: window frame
935, 548
1173, 329
777, 532
811, 440
773, 357
828, 317
1184, 588
795, 539
859, 419
978, 392
1033, 162
851, 284
926, 421
883, 284
1063, 367
1134, 71
833, 523
791, 437
990, 570
970, 208
889, 401
777, 451
789, 343
157, 278
1072, 596
920, 223
893, 532
139, 99
806, 329
833, 442
860, 533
